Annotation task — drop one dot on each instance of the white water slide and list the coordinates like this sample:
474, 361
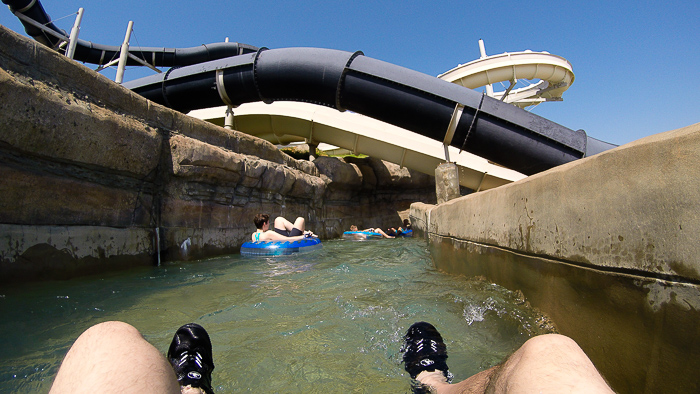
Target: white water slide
287, 122
284, 122
554, 73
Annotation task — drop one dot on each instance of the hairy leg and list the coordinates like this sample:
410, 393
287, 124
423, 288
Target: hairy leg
547, 364
544, 364
472, 385
113, 357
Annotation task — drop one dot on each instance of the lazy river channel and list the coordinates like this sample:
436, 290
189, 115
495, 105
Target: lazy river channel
327, 321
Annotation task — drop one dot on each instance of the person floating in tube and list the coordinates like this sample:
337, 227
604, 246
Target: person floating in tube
283, 229
369, 230
398, 232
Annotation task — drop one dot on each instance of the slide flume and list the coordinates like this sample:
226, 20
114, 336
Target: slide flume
284, 122
554, 72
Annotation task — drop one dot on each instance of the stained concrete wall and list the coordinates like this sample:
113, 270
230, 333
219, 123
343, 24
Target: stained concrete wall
95, 177
607, 246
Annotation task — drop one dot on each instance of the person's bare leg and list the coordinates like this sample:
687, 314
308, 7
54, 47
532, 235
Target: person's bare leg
548, 364
284, 224
544, 364
380, 231
474, 384
192, 390
300, 223
113, 357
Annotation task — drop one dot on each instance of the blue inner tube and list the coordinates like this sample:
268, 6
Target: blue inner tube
405, 233
280, 248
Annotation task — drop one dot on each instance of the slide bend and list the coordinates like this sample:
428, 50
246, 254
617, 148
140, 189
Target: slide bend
92, 53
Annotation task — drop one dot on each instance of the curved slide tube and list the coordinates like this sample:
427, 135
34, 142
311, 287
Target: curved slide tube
555, 73
89, 52
283, 122
426, 105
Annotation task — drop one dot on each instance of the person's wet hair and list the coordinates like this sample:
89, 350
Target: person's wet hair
261, 219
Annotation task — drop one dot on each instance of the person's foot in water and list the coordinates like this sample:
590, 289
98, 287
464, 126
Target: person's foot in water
190, 355
424, 350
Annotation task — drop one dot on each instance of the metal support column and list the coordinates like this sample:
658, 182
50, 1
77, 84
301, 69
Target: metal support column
73, 41
228, 118
482, 51
124, 54
447, 174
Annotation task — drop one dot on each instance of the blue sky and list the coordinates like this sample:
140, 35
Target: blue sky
637, 63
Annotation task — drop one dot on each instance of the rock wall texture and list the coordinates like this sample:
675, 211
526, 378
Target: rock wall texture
95, 177
607, 246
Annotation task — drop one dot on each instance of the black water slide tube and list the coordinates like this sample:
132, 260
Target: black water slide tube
89, 52
489, 128
497, 131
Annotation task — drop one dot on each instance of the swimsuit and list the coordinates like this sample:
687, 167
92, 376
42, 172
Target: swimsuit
294, 233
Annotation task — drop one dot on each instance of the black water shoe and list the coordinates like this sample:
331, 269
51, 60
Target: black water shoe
424, 350
191, 357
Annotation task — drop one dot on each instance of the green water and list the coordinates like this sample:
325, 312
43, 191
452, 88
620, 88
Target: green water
327, 321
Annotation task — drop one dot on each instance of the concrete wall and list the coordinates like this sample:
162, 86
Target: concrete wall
607, 246
95, 177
